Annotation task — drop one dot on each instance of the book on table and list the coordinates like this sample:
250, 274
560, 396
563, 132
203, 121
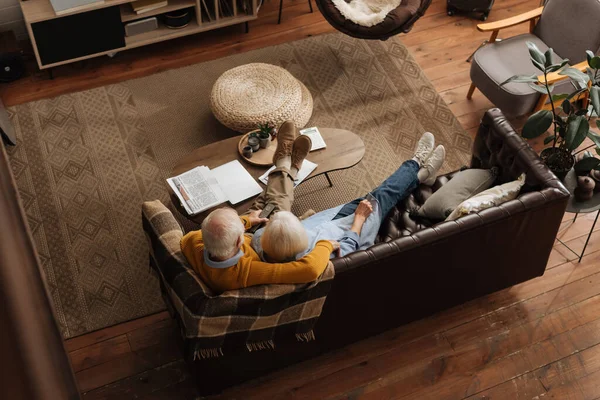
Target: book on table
202, 188
315, 137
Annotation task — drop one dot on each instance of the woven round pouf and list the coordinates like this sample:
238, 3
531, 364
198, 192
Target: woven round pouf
258, 93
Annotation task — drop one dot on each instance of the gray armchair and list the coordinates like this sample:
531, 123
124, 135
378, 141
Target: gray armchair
570, 27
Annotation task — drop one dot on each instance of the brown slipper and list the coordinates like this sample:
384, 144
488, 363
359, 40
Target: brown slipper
300, 150
286, 134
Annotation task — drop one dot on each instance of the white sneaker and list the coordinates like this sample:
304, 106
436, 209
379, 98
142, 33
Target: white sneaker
424, 148
428, 173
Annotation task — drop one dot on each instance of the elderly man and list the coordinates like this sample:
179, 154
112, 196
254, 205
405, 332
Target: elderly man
354, 225
221, 253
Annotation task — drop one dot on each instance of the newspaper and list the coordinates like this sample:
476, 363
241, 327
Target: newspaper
197, 189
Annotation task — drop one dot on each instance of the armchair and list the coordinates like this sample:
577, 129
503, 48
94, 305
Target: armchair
570, 27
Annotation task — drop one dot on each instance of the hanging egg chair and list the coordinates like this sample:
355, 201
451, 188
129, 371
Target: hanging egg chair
399, 20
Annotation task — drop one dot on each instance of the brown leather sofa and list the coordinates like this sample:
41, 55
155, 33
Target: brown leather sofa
415, 270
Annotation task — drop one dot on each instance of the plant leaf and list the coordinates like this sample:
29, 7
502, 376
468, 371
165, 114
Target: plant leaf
541, 88
577, 132
537, 124
595, 98
594, 138
520, 79
536, 54
598, 123
566, 106
577, 93
589, 55
585, 165
549, 139
548, 55
593, 60
559, 97
576, 74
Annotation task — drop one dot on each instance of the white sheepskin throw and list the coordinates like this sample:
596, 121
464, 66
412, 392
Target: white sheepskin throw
366, 12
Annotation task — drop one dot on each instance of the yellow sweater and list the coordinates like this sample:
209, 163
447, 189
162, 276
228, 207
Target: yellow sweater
250, 269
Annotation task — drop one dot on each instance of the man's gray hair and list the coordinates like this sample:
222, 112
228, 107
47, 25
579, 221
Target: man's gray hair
284, 237
221, 231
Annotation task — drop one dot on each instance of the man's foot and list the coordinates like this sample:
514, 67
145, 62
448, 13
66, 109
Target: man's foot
428, 173
300, 150
424, 148
286, 134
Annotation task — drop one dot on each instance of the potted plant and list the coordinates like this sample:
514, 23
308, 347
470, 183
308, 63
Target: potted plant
266, 133
570, 121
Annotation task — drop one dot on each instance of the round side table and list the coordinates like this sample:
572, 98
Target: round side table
580, 207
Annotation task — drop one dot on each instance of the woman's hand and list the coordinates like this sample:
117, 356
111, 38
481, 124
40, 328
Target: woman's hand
364, 209
336, 247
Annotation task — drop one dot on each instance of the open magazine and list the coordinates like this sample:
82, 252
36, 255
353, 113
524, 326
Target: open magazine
201, 188
307, 168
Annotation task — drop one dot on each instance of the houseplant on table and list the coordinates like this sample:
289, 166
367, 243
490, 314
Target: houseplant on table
570, 121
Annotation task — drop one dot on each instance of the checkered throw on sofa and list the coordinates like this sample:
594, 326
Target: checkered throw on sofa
248, 319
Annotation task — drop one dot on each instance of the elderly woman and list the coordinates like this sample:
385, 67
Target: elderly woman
353, 225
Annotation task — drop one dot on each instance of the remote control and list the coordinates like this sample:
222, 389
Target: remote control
265, 213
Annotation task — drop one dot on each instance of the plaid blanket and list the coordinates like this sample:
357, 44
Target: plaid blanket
249, 319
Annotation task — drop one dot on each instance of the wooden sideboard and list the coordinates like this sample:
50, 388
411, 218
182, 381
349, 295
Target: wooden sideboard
99, 29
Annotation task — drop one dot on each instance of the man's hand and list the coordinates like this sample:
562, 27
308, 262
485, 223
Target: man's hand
364, 209
254, 218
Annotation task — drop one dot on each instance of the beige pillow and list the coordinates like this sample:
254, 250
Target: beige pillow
464, 185
489, 198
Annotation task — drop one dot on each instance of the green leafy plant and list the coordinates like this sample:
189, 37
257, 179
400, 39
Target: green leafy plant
266, 130
570, 121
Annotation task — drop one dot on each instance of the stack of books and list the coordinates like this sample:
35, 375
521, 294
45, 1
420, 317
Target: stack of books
144, 6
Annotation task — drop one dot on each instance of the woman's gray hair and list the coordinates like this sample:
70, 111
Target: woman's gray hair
284, 237
221, 232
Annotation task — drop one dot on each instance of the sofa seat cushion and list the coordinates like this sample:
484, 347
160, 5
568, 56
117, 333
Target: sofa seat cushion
496, 62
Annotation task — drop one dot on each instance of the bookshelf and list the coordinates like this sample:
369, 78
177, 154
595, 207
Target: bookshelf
98, 29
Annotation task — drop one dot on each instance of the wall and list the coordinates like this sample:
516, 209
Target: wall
11, 18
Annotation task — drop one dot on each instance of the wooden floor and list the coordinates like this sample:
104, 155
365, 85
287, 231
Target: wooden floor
537, 340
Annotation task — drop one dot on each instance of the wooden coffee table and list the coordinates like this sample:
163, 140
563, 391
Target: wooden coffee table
344, 150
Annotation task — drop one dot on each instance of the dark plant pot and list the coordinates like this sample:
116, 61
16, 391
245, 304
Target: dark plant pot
247, 151
595, 175
264, 141
558, 160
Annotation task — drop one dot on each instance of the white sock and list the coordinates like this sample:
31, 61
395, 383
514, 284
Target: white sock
294, 172
285, 162
415, 159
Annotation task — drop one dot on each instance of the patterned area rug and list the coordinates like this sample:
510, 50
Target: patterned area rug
85, 162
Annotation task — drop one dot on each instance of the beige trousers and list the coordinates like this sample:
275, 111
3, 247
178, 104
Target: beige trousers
279, 191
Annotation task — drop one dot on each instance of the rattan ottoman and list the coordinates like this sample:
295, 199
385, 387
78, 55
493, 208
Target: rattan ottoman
257, 93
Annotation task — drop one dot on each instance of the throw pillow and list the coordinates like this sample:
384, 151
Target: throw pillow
489, 198
465, 184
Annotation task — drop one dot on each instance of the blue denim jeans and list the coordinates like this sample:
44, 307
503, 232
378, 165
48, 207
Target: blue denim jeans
394, 189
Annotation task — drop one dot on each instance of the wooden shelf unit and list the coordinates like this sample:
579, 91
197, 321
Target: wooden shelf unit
41, 21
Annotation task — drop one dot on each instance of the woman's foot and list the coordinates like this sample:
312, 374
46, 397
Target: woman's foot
286, 134
424, 148
300, 150
428, 172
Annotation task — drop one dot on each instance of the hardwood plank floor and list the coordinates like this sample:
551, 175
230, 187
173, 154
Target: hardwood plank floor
539, 339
